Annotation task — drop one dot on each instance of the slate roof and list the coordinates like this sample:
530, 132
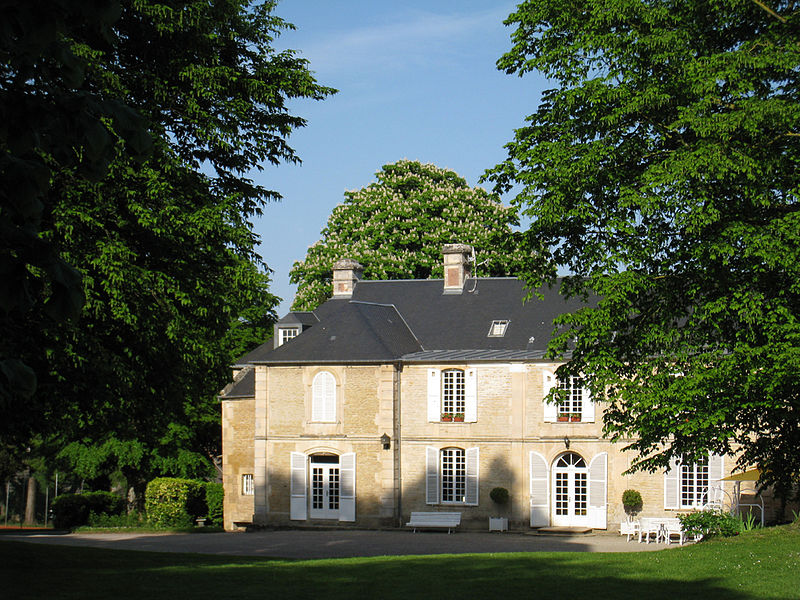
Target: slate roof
414, 321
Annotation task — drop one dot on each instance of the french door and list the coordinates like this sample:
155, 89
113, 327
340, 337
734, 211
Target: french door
325, 487
570, 491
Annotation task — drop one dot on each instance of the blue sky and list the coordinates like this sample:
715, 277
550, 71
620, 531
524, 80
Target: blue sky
416, 80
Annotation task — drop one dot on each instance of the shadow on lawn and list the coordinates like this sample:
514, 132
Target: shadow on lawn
37, 571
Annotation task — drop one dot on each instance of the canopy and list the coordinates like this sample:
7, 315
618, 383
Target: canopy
749, 475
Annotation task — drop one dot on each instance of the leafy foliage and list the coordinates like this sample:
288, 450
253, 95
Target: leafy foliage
130, 130
171, 502
396, 227
661, 171
710, 523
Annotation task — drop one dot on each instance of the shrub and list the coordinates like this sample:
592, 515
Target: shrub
116, 521
214, 497
499, 495
171, 502
710, 523
105, 503
70, 510
73, 510
632, 501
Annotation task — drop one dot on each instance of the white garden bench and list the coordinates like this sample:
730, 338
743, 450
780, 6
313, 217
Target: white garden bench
434, 520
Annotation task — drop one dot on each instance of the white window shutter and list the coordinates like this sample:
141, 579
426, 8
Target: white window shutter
539, 491
347, 492
471, 395
587, 406
473, 482
434, 395
672, 487
297, 508
323, 398
598, 491
716, 468
431, 475
550, 409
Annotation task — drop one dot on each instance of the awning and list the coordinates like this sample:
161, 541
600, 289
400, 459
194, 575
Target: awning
749, 475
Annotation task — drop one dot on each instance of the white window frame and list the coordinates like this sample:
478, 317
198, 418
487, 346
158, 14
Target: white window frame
323, 398
693, 485
436, 394
248, 485
452, 476
498, 328
573, 405
579, 397
287, 333
454, 391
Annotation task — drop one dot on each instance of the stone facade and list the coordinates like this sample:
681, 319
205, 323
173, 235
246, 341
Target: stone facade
263, 434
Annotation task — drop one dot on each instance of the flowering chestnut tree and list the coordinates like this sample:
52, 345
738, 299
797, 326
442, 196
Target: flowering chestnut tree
396, 227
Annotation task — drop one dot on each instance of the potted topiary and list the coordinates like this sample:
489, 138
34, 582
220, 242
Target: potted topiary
499, 495
632, 502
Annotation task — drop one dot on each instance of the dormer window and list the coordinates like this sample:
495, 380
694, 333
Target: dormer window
498, 328
287, 333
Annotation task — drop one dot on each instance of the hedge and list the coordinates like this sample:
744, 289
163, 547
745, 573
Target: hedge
214, 496
172, 502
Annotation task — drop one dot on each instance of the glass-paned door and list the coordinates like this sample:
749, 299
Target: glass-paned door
570, 491
325, 487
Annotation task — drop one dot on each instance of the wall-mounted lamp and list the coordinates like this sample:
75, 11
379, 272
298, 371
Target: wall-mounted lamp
566, 442
386, 441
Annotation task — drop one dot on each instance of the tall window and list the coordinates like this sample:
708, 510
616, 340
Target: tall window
694, 484
453, 392
454, 475
248, 486
572, 406
323, 398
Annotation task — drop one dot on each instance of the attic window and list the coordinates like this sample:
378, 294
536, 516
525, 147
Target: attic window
498, 328
287, 333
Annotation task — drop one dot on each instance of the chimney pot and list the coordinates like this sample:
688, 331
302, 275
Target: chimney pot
456, 267
346, 272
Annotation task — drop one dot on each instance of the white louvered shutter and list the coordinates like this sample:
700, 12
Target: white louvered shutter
297, 508
431, 475
672, 487
598, 491
539, 491
434, 395
347, 492
323, 399
587, 406
471, 395
550, 409
473, 480
716, 467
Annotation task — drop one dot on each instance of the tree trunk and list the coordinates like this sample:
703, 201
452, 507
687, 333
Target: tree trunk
30, 502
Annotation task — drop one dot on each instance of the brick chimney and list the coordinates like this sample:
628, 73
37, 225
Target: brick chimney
456, 267
346, 272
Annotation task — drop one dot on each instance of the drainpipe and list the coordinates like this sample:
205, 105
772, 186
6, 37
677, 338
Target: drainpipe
397, 434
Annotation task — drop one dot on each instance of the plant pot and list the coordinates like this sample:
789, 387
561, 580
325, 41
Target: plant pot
575, 418
563, 418
447, 418
458, 419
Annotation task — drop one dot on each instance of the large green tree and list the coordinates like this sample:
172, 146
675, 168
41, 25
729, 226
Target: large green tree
396, 227
135, 219
662, 171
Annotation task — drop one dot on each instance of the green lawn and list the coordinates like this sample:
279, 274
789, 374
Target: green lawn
755, 565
